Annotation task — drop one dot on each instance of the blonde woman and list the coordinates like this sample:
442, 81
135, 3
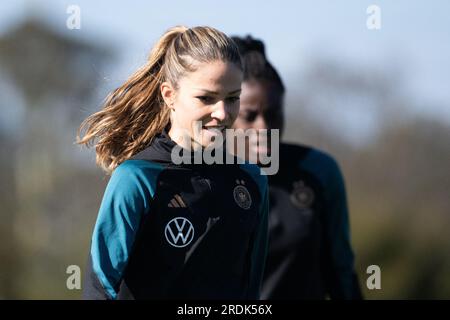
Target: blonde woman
176, 230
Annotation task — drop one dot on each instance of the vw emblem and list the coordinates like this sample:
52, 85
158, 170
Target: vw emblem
242, 197
179, 232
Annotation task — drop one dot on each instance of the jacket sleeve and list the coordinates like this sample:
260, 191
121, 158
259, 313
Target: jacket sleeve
125, 201
341, 276
259, 248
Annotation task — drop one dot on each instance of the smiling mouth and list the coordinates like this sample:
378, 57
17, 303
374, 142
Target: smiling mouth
219, 128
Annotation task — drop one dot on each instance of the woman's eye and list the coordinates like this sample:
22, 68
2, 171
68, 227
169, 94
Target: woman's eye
205, 99
232, 99
249, 116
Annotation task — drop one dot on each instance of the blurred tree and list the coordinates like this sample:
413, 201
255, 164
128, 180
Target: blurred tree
395, 163
55, 75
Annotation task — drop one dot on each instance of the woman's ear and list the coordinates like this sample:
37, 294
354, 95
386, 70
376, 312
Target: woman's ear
167, 93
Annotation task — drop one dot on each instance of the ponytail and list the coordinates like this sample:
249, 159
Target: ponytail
132, 114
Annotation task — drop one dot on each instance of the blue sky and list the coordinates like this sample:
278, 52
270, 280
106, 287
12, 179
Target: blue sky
414, 34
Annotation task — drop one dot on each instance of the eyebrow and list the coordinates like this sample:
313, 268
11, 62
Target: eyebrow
216, 93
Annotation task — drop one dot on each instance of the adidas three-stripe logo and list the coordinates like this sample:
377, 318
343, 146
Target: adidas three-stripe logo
176, 202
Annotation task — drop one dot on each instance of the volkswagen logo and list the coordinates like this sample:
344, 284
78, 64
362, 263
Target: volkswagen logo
179, 232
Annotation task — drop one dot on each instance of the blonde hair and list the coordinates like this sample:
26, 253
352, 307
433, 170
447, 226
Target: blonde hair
135, 112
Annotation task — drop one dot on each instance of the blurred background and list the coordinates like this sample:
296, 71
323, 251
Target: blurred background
376, 99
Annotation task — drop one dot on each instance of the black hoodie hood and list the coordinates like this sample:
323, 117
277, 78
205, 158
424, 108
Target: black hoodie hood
160, 151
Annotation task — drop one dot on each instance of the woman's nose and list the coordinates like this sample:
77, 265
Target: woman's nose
260, 123
220, 111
